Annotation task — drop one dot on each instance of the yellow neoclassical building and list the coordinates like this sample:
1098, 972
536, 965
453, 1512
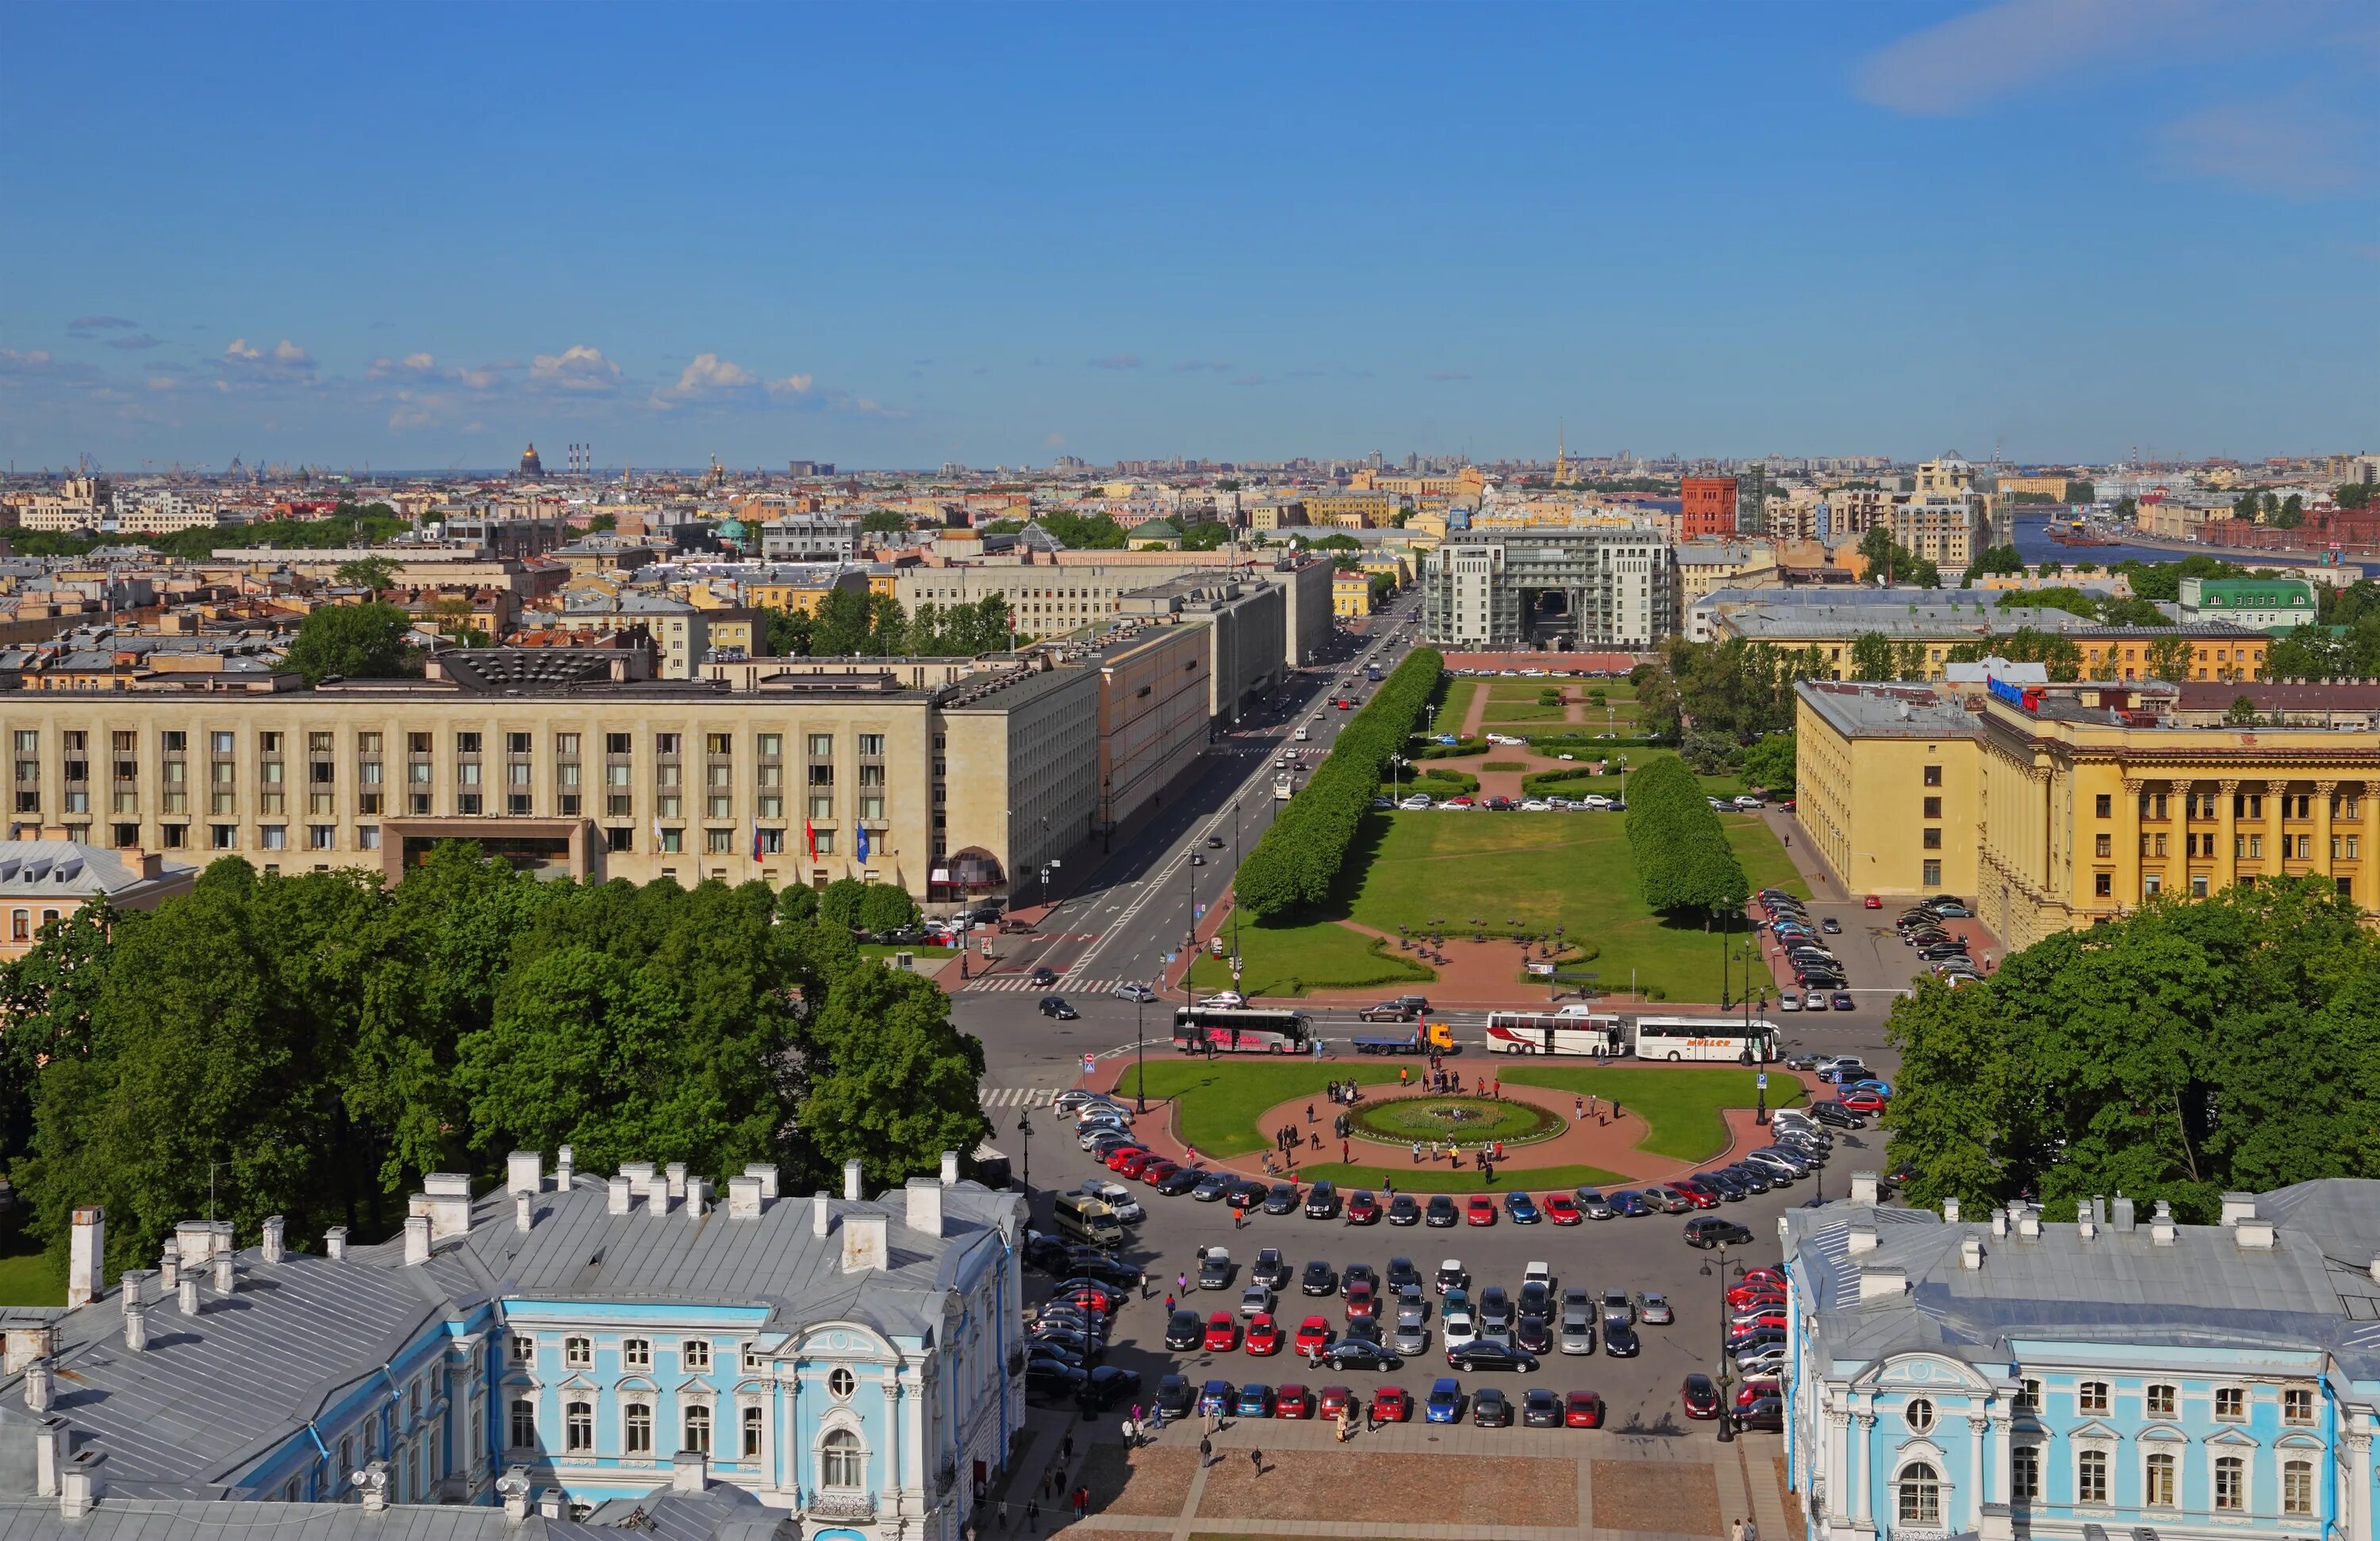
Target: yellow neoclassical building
2067, 814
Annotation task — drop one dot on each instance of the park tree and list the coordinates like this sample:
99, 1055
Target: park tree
839, 903
1993, 562
2242, 713
886, 908
1871, 656
1769, 763
2170, 658
889, 1082
354, 641
374, 572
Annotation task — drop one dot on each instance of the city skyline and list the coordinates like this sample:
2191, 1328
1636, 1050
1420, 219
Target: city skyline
2060, 230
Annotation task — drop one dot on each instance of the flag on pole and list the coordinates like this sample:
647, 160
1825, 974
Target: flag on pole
755, 840
863, 844
809, 838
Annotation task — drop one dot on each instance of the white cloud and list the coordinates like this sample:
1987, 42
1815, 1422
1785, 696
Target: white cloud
285, 363
578, 371
2283, 149
712, 379
1961, 64
411, 365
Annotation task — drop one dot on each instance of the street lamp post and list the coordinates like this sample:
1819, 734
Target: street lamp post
1140, 1052
1726, 1412
1024, 1129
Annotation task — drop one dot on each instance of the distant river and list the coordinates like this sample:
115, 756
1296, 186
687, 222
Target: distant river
2033, 544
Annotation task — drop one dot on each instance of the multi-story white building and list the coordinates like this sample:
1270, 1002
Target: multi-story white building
1560, 589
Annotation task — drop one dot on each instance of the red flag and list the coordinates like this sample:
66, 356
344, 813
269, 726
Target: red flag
809, 838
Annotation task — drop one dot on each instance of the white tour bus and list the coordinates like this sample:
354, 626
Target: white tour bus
1705, 1038
1571, 1030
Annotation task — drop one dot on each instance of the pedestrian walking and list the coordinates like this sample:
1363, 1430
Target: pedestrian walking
1735, 1529
1344, 1156
1256, 1459
1615, 1108
1416, 1153
1169, 1302
1578, 1108
1205, 1452
1590, 1102
1033, 1515
1235, 1217
1131, 1432
1082, 1501
1066, 1447
1750, 1530
1309, 1112
1181, 1282
1402, 1073
1499, 1090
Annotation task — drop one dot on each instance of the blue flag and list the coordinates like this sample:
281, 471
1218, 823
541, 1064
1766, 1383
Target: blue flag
863, 842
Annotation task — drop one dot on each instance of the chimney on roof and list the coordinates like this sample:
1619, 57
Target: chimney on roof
767, 1173
566, 1167
2255, 1233
676, 1173
2086, 1224
87, 1256
136, 1316
2028, 1224
222, 1273
821, 1213
1863, 1187
186, 1294
925, 1197
1881, 1283
169, 1268
863, 1241
2121, 1216
851, 1180
743, 1199
445, 1197
2238, 1206
697, 1197
525, 1173
524, 1212
417, 1240
2162, 1230
1950, 1211
334, 1244
950, 1168
1999, 1222
643, 1178
78, 1490
1971, 1253
275, 1245
619, 1194
39, 1386
194, 1242
690, 1472
1859, 1239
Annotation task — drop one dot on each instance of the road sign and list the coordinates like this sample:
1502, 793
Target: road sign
1091, 1062
1762, 1083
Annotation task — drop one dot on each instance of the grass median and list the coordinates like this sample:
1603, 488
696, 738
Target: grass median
1680, 1106
1291, 960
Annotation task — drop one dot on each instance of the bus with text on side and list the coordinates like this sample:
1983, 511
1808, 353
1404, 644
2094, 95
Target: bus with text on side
1571, 1030
1239, 1030
1705, 1038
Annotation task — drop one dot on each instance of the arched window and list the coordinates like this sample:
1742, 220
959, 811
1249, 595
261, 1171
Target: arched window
841, 1463
523, 1421
2157, 1489
2230, 1483
1920, 1495
2091, 1477
752, 1424
638, 1419
2297, 1487
698, 1430
578, 1426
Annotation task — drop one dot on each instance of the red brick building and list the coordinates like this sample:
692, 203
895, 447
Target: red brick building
1708, 507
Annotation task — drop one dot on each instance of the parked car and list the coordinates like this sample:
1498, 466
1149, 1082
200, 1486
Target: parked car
1440, 1212
1561, 1209
1700, 1397
1403, 1210
1709, 1230
1392, 1405
1582, 1410
1445, 1403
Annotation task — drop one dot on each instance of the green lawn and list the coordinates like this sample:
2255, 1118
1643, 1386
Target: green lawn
1679, 1106
1458, 705
1572, 870
1220, 1099
1291, 960
1520, 711
26, 1275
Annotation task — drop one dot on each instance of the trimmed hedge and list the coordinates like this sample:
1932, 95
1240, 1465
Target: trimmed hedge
1299, 857
1683, 861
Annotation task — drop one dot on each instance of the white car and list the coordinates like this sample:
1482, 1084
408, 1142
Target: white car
1596, 801
1103, 1112
1454, 807
1537, 805
1116, 1197
1749, 804
1565, 757
1457, 1324
1224, 999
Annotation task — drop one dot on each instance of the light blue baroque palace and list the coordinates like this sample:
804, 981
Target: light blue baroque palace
572, 1347
2125, 1378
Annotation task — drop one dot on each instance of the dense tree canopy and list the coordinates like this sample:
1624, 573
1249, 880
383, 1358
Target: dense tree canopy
356, 641
2194, 1046
1683, 861
1735, 687
314, 1043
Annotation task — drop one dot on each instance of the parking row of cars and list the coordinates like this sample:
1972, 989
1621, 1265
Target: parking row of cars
1922, 926
1816, 969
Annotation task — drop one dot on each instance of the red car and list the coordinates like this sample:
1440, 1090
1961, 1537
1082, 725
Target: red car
1582, 1410
1222, 1333
1480, 1212
1130, 1161
1560, 1208
1862, 1102
1336, 1400
1363, 1208
1263, 1335
1293, 1401
1754, 1389
1871, 902
1158, 1171
1391, 1406
1700, 1397
1774, 1278
1362, 1300
1313, 1336
1741, 1294
1702, 1197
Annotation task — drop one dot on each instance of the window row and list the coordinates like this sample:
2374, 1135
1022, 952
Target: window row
2160, 1482
2163, 1400
224, 744
637, 1429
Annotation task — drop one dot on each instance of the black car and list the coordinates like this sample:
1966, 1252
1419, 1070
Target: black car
1214, 1186
1723, 1183
1054, 1384
1403, 1210
1184, 1331
1181, 1182
1533, 1335
1047, 1254
1768, 1413
1038, 1353
1321, 1279
1086, 1347
1441, 1212
1536, 1298
1401, 1273
1248, 1194
1838, 1115
1495, 1312
1055, 1005
1322, 1201
1387, 1011
1758, 1337
1280, 1199
1489, 1353
1358, 1353
1755, 1181
1709, 1230
1045, 975
1111, 1383
1360, 1273
1540, 1409
1270, 1269
1619, 1338
1489, 1408
1174, 1395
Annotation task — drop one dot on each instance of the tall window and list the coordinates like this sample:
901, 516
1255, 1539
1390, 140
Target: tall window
2230, 1483
752, 1425
2091, 1477
2297, 1405
636, 1354
1921, 1496
2157, 1491
841, 1463
638, 1417
694, 1353
2091, 1396
698, 1430
2024, 1472
523, 1421
2231, 1404
578, 1425
2161, 1401
2297, 1487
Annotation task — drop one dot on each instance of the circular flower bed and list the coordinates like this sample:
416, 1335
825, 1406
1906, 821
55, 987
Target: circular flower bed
1465, 1120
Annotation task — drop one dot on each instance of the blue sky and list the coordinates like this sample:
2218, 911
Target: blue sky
892, 235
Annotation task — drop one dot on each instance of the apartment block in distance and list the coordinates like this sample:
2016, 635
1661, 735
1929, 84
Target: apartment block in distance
1706, 507
1608, 587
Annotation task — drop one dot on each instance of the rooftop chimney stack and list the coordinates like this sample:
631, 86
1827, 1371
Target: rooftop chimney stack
2255, 1233
276, 1239
185, 1295
525, 1171
642, 1179
566, 1167
334, 1244
448, 1196
1863, 1187
2122, 1221
2238, 1206
2162, 1230
136, 1322
850, 1180
1882, 1283
863, 1241
417, 1240
822, 1214
925, 1197
743, 1199
87, 1256
40, 1384
697, 1197
618, 1195
78, 1491
524, 1211
767, 1173
2028, 1224
1971, 1253
1950, 1211
2085, 1227
950, 1168
1859, 1238
222, 1273
169, 1268
676, 1172
690, 1472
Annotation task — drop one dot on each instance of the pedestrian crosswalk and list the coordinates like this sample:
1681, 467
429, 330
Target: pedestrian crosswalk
1022, 982
1015, 1097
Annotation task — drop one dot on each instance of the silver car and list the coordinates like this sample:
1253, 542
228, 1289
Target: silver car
1411, 1338
1653, 1308
1131, 992
1577, 1330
